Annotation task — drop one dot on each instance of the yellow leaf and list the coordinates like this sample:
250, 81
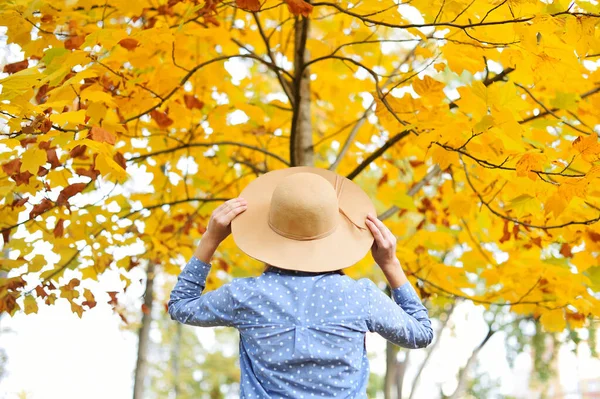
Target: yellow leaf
524, 204
555, 204
89, 273
442, 157
37, 263
584, 260
96, 111
31, 305
33, 158
125, 280
460, 204
430, 89
528, 162
77, 309
71, 118
553, 320
588, 147
566, 101
405, 201
97, 96
109, 168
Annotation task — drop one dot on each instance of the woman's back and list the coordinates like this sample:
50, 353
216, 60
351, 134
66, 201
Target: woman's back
302, 335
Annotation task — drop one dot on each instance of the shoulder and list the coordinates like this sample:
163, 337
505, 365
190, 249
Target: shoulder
367, 284
363, 285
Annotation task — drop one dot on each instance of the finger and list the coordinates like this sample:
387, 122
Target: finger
389, 240
379, 240
229, 205
229, 216
382, 227
388, 234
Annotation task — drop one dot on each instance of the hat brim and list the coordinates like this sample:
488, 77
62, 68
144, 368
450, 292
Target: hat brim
344, 247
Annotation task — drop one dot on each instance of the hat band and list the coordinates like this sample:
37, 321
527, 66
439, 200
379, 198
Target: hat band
301, 237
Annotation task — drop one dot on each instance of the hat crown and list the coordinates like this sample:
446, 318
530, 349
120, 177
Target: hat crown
304, 206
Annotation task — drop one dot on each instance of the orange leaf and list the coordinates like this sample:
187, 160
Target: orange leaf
40, 208
161, 118
588, 147
528, 162
16, 66
78, 151
102, 135
68, 192
248, 5
12, 167
129, 43
74, 42
120, 160
299, 7
90, 302
192, 102
565, 250
78, 309
59, 228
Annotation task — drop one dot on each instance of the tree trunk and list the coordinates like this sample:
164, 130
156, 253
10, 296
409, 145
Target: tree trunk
390, 370
301, 142
400, 372
464, 372
141, 368
175, 356
430, 350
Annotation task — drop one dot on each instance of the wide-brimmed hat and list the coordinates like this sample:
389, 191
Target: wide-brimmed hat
304, 218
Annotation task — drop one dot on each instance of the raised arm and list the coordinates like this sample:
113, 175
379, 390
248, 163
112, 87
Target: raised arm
404, 320
187, 303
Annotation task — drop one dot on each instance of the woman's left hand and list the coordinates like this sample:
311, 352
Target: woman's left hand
219, 225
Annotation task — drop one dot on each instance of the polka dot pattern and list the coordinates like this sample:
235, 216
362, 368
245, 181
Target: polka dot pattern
302, 335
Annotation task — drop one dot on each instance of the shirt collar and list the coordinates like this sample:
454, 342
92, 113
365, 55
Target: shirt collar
277, 270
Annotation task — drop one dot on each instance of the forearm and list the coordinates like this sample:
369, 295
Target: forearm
206, 249
394, 274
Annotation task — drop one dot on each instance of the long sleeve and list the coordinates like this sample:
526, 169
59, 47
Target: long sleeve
188, 305
403, 321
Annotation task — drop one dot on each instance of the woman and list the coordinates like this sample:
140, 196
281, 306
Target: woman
302, 322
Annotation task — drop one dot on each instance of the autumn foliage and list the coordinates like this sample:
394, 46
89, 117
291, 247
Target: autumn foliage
473, 124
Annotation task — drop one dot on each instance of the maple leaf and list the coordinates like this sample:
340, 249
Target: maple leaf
528, 162
12, 167
16, 66
248, 5
102, 135
192, 102
299, 7
129, 43
68, 192
588, 147
90, 301
31, 305
161, 118
565, 250
40, 208
74, 42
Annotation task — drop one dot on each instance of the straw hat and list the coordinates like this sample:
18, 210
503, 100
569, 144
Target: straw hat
304, 218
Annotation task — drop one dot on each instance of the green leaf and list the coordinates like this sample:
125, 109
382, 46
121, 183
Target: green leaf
405, 201
593, 273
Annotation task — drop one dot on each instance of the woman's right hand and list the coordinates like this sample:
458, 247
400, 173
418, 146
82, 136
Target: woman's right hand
384, 246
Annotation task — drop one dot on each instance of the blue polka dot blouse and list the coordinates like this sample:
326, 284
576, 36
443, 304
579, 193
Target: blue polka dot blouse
302, 335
